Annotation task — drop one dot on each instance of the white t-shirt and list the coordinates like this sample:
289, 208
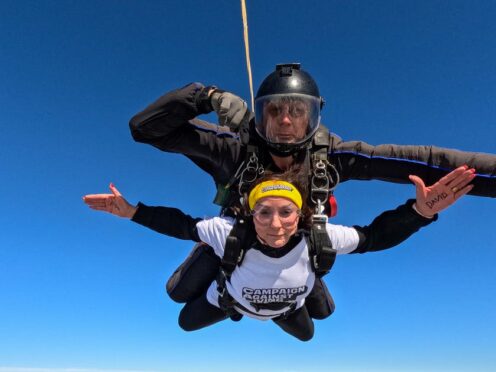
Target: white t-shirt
266, 286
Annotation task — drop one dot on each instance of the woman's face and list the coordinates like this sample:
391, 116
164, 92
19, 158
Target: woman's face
276, 220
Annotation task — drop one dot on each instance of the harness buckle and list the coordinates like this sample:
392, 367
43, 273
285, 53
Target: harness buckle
226, 302
221, 283
319, 220
288, 312
315, 262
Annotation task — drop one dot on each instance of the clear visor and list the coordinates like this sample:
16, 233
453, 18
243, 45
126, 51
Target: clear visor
287, 118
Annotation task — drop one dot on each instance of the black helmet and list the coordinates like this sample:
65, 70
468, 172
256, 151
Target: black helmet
287, 109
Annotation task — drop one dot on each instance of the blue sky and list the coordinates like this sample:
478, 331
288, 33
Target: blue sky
85, 290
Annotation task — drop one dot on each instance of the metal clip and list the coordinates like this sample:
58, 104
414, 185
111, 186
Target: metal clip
252, 170
319, 183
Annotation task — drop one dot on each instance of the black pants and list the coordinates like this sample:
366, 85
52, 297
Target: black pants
199, 313
193, 277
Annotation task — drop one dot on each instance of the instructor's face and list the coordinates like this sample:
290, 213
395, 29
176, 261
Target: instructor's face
276, 220
286, 122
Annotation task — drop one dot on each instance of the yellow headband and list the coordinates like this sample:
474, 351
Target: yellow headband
275, 188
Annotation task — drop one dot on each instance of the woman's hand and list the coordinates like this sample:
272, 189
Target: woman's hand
435, 198
112, 203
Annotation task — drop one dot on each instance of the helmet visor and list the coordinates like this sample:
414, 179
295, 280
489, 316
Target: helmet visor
287, 118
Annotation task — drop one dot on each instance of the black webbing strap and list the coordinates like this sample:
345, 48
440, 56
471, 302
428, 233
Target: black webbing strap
322, 255
321, 137
234, 251
226, 302
319, 177
320, 148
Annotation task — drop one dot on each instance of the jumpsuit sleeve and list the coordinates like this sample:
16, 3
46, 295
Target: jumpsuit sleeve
168, 221
170, 125
357, 160
390, 228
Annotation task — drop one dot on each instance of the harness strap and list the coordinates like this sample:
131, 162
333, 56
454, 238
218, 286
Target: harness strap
234, 251
322, 254
226, 302
234, 248
324, 177
322, 184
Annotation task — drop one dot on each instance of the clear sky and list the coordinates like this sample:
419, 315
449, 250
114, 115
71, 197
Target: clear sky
85, 290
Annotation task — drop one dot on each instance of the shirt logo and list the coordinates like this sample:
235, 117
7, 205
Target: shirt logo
272, 298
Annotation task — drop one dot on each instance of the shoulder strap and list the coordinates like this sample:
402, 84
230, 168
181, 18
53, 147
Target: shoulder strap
322, 254
322, 184
322, 137
237, 243
323, 175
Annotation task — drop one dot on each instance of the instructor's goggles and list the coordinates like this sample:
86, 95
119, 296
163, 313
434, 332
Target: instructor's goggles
302, 110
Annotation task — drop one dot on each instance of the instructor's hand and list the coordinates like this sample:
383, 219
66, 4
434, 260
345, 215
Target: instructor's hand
112, 203
450, 188
230, 109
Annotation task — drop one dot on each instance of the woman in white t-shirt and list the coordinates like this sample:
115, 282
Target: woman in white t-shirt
276, 276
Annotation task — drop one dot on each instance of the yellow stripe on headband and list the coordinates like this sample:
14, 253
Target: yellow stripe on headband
275, 188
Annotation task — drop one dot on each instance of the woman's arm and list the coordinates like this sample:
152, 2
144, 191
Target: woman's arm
393, 227
165, 220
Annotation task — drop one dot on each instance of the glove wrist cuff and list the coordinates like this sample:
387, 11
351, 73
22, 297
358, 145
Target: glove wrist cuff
203, 101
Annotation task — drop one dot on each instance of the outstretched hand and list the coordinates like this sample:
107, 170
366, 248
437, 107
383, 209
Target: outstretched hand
112, 203
446, 191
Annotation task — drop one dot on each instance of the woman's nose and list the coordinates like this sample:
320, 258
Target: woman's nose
275, 221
